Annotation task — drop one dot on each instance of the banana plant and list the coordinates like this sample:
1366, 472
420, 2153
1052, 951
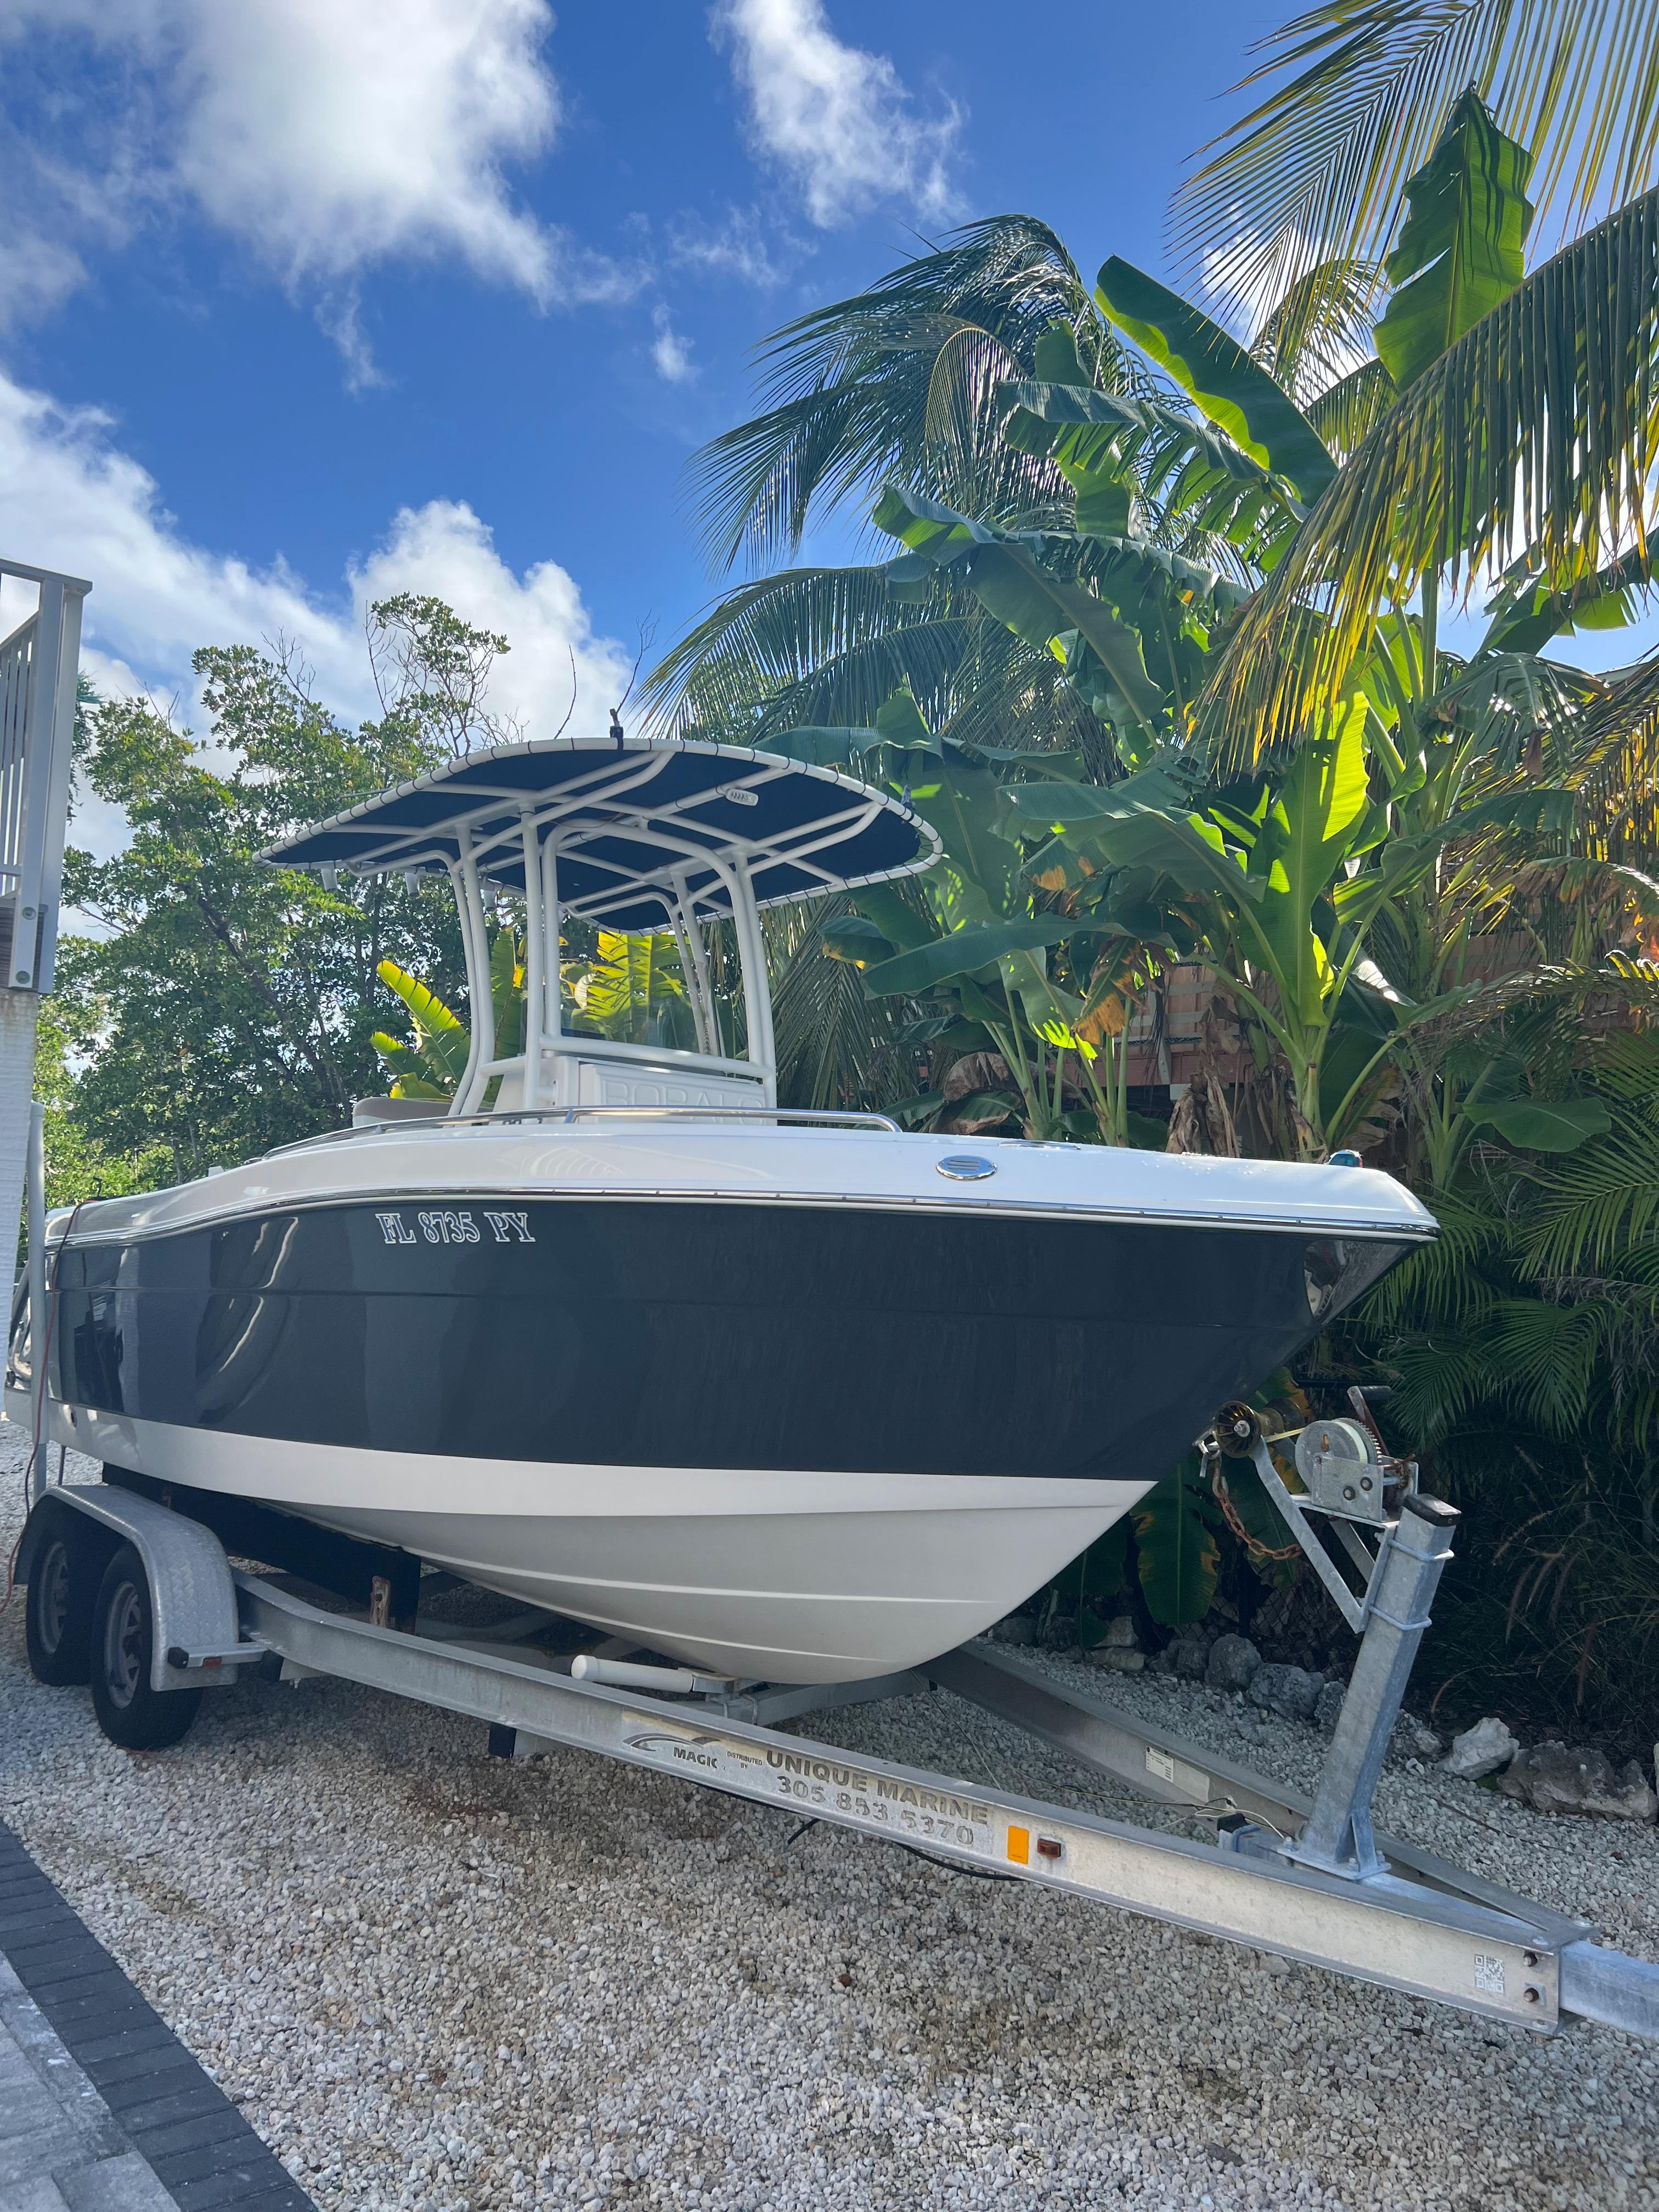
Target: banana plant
1273, 877
1046, 991
1128, 619
431, 1063
1176, 1551
633, 991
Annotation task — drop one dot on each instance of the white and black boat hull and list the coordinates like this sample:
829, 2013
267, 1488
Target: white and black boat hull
767, 1573
807, 1442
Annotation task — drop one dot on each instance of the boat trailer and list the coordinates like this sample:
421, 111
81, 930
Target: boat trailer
1306, 1879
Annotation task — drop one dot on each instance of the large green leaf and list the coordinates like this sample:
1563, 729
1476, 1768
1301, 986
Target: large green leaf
440, 1034
1192, 469
856, 940
1041, 608
1088, 455
899, 723
1065, 804
1235, 392
977, 877
1119, 830
1102, 1570
634, 990
1174, 1541
965, 951
1306, 835
887, 907
1527, 613
1460, 253
1545, 1125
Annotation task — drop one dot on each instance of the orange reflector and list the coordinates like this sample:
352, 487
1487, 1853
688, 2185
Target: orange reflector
1019, 1846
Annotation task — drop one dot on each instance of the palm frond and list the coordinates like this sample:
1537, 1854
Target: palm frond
1626, 1064
829, 647
836, 1046
1358, 91
898, 381
1319, 333
1347, 412
1439, 1382
1546, 1355
1536, 433
1618, 745
1599, 1199
1440, 1286
768, 639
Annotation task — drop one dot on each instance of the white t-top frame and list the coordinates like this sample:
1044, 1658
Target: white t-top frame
614, 839
545, 1034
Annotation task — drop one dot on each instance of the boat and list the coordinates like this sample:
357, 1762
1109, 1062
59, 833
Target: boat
786, 1398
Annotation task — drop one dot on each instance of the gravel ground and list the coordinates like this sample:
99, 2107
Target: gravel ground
436, 1980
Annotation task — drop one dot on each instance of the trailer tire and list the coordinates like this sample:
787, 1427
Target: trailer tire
130, 1712
57, 1622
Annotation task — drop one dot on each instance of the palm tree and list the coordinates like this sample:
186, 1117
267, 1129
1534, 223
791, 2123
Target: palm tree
1092, 627
1352, 95
909, 385
899, 383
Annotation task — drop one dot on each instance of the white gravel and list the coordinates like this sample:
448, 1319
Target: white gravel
434, 1980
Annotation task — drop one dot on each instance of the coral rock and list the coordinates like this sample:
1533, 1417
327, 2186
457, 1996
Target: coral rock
1553, 1779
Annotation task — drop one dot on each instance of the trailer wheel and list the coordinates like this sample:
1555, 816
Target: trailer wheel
130, 1712
57, 1622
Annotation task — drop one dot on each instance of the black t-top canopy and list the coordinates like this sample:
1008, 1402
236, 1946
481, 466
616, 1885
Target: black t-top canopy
628, 819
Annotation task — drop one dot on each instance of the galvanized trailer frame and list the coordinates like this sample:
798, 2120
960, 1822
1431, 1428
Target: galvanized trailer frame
1306, 1879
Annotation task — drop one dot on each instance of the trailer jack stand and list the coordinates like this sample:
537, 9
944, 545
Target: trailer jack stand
1338, 1836
1352, 1485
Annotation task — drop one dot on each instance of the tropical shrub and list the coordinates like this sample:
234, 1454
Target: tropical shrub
1160, 656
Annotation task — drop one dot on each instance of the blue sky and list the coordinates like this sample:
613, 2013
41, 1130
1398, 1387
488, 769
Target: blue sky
306, 302
310, 299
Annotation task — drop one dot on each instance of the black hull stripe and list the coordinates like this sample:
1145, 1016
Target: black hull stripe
699, 1335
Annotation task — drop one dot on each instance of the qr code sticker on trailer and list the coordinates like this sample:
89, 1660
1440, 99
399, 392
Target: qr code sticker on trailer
1488, 1974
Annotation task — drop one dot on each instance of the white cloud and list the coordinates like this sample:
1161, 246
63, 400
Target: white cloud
837, 120
333, 135
73, 501
443, 547
669, 351
327, 136
743, 245
37, 273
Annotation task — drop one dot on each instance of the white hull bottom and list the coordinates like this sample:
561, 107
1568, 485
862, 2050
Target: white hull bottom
776, 1576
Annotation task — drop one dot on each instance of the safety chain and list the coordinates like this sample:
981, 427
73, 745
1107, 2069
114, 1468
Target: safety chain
1229, 1513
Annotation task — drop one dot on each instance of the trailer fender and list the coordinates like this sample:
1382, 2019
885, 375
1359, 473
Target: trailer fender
189, 1580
